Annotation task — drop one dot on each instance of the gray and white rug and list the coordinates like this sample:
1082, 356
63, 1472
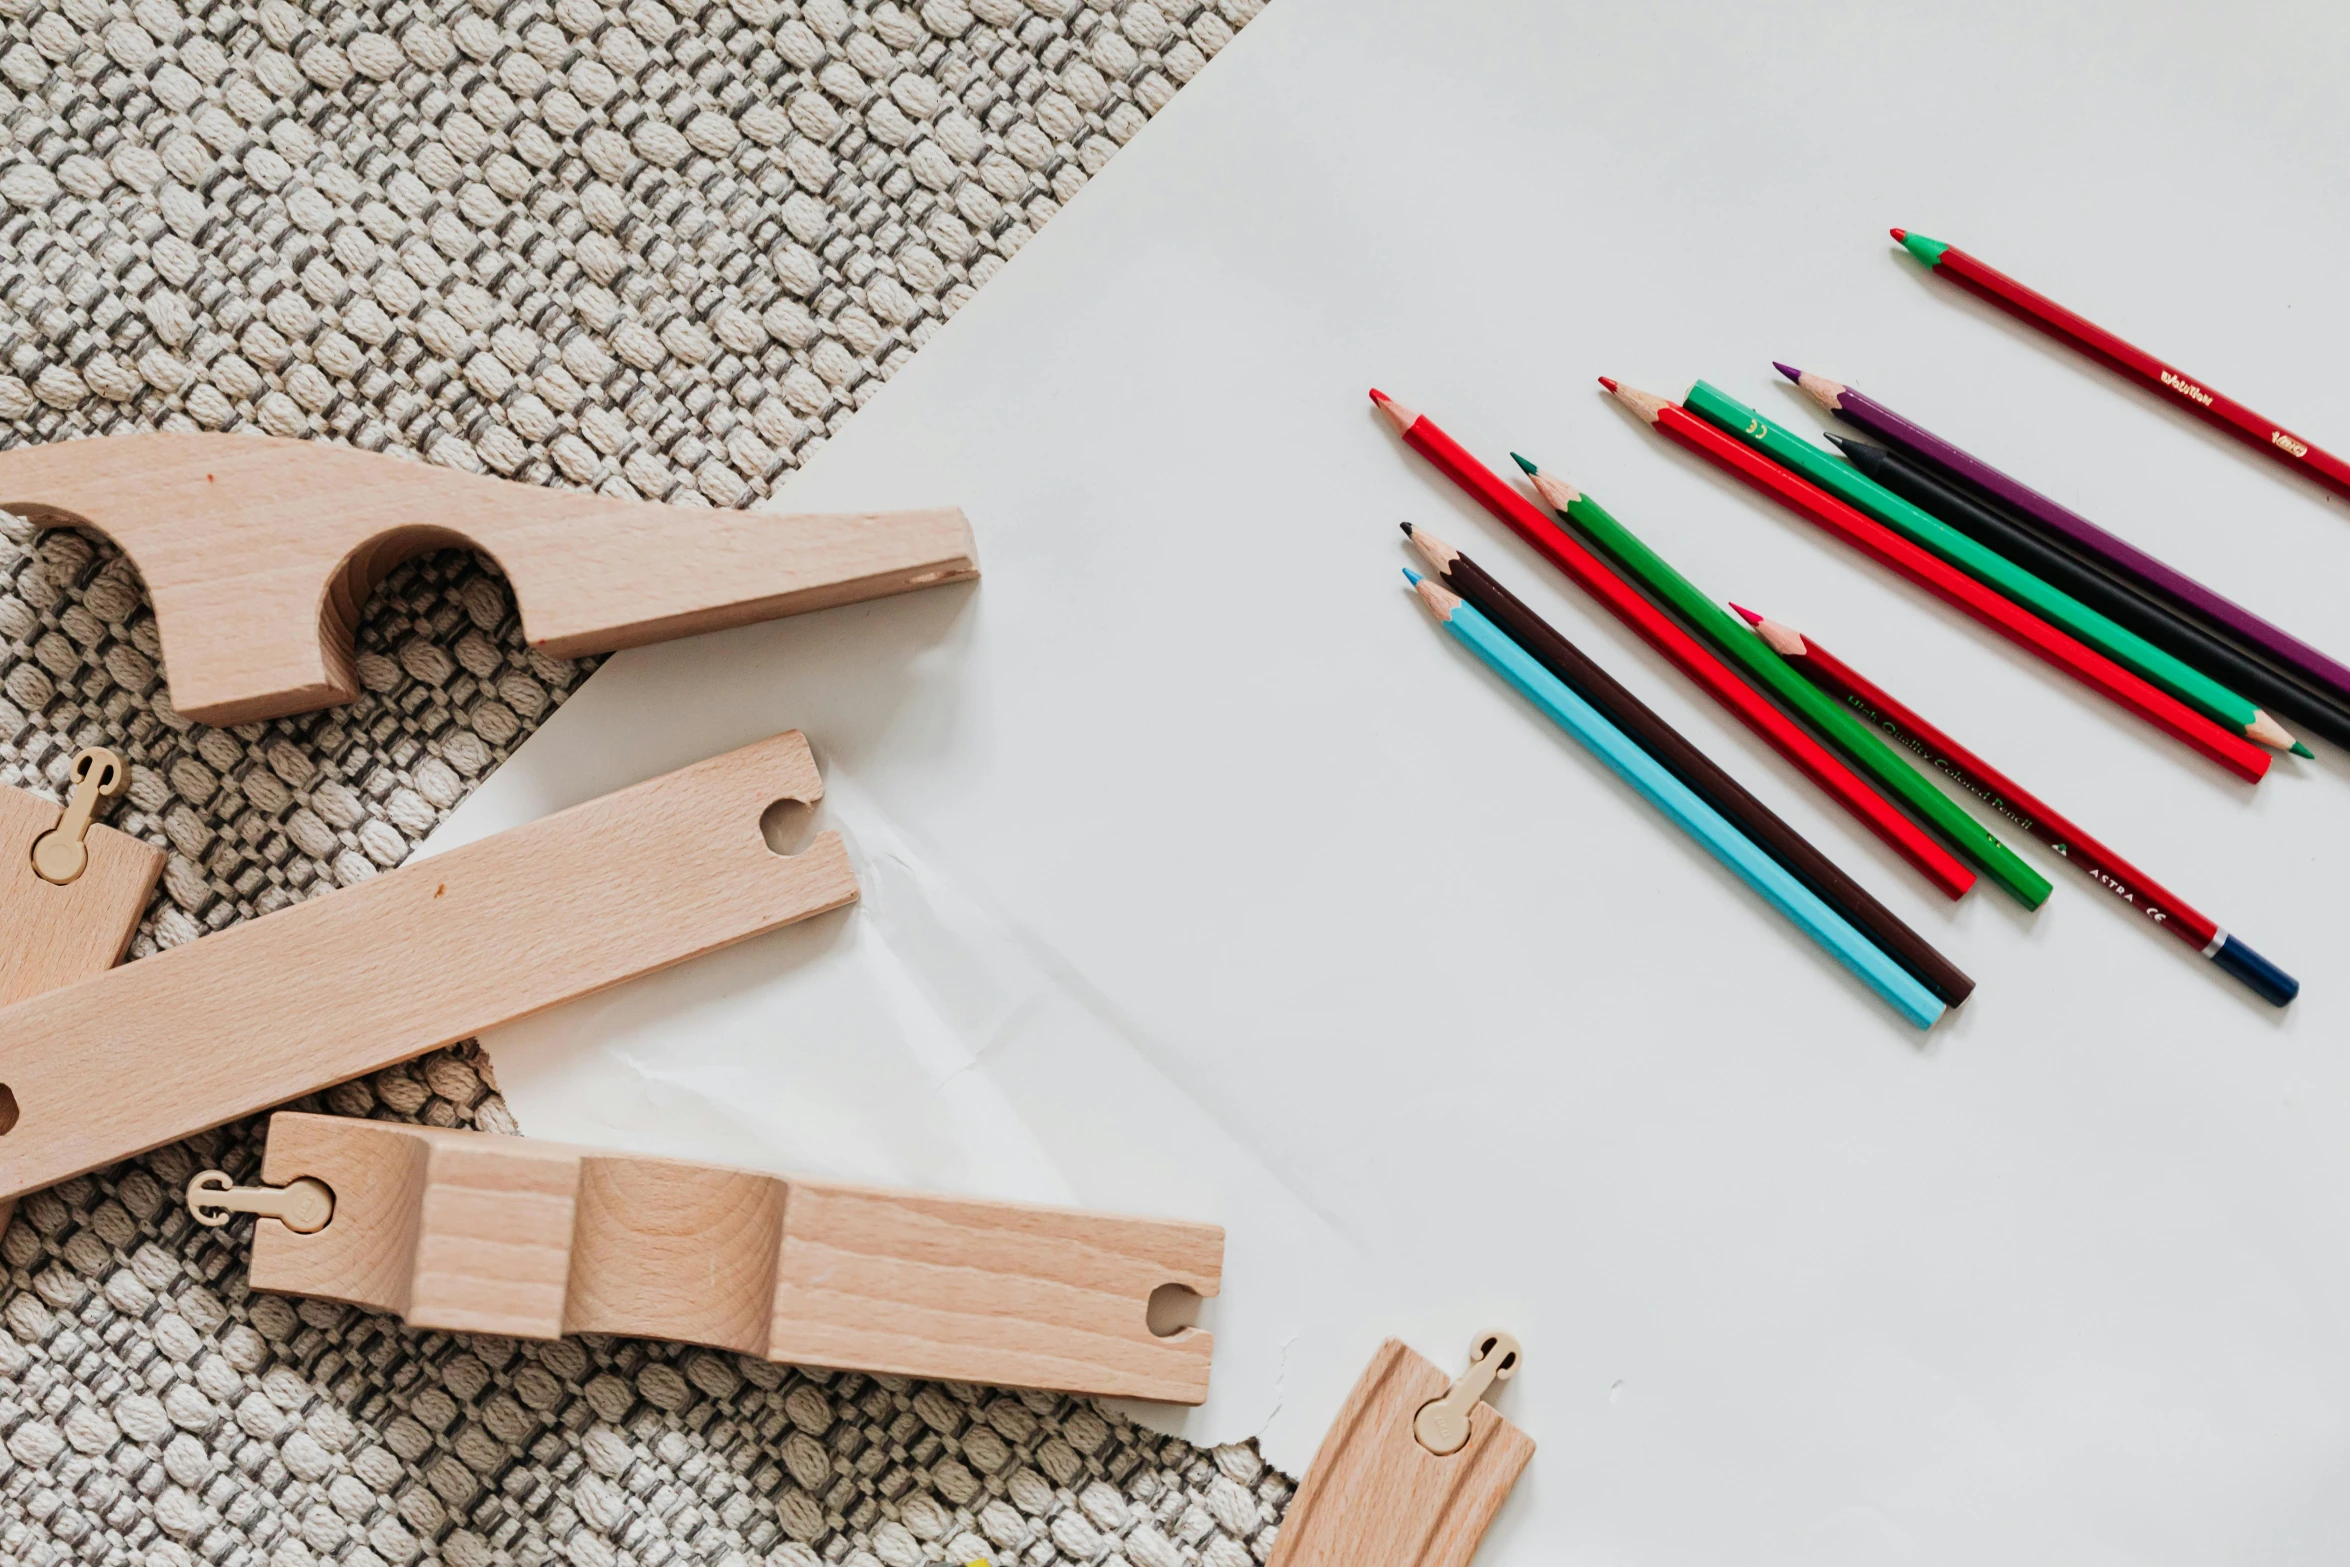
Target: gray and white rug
661, 249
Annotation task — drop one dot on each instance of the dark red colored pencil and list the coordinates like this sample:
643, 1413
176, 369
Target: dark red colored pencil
1621, 599
2004, 795
2165, 380
2159, 708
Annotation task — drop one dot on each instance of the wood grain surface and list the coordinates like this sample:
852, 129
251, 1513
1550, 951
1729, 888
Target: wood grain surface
1374, 1497
258, 554
468, 1232
434, 952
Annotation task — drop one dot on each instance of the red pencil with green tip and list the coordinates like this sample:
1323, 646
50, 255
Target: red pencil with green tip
2165, 380
2004, 795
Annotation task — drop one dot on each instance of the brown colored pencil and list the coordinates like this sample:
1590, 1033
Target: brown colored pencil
1693, 767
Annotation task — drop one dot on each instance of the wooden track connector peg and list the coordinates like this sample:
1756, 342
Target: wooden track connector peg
419, 957
259, 553
57, 928
1414, 1468
470, 1232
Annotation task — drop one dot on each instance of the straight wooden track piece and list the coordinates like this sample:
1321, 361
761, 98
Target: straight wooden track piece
1377, 1495
434, 952
54, 933
258, 554
469, 1232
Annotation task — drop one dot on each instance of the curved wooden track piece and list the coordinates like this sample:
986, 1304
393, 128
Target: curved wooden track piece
469, 1232
259, 552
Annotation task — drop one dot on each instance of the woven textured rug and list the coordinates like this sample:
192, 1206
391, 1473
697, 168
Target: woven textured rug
660, 249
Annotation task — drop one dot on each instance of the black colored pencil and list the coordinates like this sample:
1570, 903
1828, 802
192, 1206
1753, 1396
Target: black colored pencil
2159, 624
1693, 767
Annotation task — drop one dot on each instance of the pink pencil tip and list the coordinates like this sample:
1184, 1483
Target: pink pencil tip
1381, 398
1900, 236
1752, 618
1608, 381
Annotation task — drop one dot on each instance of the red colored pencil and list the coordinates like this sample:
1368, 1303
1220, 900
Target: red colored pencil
2011, 800
2165, 380
1939, 577
1621, 599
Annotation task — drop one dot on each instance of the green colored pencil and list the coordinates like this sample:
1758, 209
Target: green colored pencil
1854, 738
1987, 566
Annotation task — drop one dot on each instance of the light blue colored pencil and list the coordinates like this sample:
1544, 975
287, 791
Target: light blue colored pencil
1671, 796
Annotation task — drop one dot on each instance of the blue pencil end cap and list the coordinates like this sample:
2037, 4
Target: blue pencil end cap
2270, 983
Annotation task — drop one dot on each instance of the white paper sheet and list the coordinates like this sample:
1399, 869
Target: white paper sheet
1204, 877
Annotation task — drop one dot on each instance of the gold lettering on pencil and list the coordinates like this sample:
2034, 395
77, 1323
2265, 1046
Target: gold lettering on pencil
2280, 438
2179, 383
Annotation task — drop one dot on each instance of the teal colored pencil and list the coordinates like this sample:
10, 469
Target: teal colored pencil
1671, 796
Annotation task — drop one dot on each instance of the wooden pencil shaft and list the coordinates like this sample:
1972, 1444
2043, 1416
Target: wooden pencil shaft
2165, 380
2232, 751
1709, 782
2160, 624
471, 1232
2013, 876
1985, 565
419, 957
1693, 816
1622, 600
2062, 523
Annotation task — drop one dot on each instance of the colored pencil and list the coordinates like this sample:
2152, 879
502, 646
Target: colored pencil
2108, 869
1856, 740
1693, 767
1905, 837
2030, 506
2164, 380
1987, 566
2159, 708
2152, 619
1669, 795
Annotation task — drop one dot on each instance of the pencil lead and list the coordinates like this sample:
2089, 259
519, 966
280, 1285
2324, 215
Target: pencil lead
1438, 554
1789, 371
1411, 576
1900, 236
1841, 443
1397, 414
1646, 404
1750, 617
1525, 464
2301, 750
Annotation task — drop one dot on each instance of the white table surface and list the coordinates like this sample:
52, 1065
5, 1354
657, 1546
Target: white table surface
1205, 877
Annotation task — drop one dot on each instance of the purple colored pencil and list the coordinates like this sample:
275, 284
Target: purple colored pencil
2118, 554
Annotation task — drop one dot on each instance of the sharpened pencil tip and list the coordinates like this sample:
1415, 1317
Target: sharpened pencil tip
1900, 236
1835, 440
1789, 371
2301, 750
1608, 381
1411, 576
1524, 464
1381, 398
1407, 529
1750, 617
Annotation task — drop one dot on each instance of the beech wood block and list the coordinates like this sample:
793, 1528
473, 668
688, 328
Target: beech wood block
1374, 1497
52, 935
434, 952
469, 1232
258, 554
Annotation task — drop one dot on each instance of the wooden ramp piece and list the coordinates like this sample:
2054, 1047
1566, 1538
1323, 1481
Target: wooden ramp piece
258, 554
52, 935
468, 1232
434, 952
1376, 1497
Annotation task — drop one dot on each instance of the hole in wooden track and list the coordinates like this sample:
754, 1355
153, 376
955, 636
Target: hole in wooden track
8, 1111
1172, 1308
787, 825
